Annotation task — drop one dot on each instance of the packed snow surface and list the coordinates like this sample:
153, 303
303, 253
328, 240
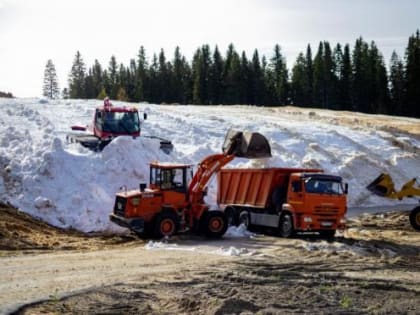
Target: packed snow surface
70, 186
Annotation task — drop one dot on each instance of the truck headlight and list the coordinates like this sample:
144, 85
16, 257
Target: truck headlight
343, 220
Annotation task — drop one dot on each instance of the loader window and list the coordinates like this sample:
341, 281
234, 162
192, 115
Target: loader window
169, 179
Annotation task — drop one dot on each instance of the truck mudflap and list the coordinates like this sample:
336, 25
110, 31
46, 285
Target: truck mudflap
134, 224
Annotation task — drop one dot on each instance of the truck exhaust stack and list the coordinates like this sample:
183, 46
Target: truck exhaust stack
250, 145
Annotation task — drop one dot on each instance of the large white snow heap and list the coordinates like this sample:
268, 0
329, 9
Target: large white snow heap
70, 186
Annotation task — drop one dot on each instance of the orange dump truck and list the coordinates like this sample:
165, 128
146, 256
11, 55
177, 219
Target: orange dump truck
288, 200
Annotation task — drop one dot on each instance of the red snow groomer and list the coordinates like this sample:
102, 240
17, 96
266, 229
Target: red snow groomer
110, 122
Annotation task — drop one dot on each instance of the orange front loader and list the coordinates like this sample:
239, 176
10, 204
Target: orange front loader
173, 202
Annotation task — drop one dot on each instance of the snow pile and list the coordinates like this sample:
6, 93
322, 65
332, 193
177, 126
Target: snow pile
238, 232
359, 248
233, 251
70, 186
151, 245
230, 251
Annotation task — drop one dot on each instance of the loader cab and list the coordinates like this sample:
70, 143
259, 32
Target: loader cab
170, 177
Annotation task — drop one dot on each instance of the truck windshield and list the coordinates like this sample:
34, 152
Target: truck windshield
121, 122
323, 186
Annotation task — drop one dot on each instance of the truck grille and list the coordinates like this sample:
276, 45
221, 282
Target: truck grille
326, 210
119, 206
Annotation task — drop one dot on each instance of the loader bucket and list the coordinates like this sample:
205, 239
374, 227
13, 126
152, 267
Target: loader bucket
382, 186
251, 145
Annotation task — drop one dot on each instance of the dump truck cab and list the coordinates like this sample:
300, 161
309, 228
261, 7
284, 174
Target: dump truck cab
316, 201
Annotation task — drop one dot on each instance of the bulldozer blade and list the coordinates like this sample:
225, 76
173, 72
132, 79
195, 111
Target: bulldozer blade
382, 186
251, 145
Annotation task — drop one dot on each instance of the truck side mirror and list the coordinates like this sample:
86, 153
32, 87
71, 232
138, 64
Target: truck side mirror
144, 116
142, 186
346, 188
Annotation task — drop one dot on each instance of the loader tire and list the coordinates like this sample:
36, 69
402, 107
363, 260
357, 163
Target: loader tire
214, 224
166, 224
286, 228
415, 218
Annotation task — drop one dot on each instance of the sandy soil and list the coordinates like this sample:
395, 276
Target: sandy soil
373, 267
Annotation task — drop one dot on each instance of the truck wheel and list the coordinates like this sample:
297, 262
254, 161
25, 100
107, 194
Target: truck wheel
286, 226
214, 224
166, 224
415, 218
244, 219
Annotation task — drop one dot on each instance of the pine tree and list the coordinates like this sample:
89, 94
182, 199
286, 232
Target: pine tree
246, 83
299, 84
77, 78
397, 84
181, 78
89, 88
97, 78
216, 78
360, 76
231, 77
197, 93
112, 76
257, 79
280, 76
319, 84
412, 74
131, 81
308, 81
345, 79
50, 88
141, 76
153, 94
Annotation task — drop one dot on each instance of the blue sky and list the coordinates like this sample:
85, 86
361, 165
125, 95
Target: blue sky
33, 31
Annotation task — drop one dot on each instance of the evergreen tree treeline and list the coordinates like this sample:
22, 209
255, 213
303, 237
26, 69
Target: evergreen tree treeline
332, 78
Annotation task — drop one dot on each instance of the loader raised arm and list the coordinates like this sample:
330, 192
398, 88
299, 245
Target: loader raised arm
249, 145
383, 186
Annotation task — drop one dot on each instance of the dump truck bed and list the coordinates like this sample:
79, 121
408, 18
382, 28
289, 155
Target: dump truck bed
251, 186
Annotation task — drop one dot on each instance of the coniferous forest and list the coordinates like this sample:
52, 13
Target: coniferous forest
340, 78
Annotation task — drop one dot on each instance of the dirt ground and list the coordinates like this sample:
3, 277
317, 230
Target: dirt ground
371, 268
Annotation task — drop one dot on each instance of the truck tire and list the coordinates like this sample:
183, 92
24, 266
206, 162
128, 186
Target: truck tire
166, 224
415, 218
214, 224
286, 225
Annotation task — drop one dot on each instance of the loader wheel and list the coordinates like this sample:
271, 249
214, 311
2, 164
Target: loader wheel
214, 224
415, 218
286, 226
166, 224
